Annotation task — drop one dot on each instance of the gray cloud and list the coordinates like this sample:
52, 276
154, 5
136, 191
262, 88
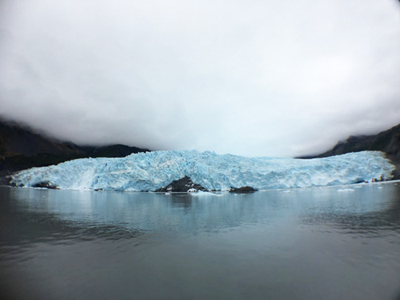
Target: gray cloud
261, 78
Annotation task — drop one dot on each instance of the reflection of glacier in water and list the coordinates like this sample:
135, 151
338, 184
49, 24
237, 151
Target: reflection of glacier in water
120, 215
311, 243
153, 170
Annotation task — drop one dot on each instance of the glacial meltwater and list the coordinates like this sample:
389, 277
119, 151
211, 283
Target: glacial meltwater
339, 242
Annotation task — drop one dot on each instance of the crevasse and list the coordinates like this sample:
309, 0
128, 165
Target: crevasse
152, 170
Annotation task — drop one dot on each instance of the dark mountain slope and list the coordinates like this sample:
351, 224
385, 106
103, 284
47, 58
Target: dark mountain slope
387, 141
21, 140
22, 148
111, 151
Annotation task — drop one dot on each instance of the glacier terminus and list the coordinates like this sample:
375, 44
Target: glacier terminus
151, 171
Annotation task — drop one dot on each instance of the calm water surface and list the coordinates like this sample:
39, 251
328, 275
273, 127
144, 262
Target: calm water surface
320, 243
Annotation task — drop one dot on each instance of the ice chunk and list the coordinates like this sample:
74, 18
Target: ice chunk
346, 190
153, 170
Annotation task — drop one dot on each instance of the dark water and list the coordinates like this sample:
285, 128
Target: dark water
326, 243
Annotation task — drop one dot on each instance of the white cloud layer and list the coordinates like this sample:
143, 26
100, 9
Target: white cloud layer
256, 78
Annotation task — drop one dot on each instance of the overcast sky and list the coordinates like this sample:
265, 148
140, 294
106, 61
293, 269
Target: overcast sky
256, 78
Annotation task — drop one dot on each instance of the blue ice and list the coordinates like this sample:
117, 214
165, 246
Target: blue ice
152, 170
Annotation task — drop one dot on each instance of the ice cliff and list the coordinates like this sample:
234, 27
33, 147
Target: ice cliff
153, 170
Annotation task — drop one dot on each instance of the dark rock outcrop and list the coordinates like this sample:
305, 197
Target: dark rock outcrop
182, 185
4, 179
243, 190
45, 184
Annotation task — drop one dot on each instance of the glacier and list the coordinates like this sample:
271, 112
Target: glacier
153, 170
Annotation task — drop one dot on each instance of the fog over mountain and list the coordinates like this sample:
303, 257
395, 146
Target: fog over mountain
259, 78
22, 148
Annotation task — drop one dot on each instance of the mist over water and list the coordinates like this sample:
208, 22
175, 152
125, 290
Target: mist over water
319, 243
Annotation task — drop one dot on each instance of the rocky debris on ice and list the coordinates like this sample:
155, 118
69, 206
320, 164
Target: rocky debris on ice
243, 190
183, 185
